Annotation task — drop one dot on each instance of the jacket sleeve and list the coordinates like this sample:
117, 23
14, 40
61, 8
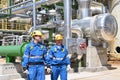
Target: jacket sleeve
67, 59
26, 56
45, 52
49, 57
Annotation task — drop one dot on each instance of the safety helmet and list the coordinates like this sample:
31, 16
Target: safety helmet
36, 32
58, 37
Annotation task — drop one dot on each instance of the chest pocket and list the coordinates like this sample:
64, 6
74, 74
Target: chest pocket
36, 50
62, 50
59, 55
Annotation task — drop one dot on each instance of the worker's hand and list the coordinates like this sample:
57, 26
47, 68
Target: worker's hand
68, 68
49, 69
25, 70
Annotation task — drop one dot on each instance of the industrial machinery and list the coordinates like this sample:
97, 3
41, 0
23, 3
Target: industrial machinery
96, 31
115, 47
92, 26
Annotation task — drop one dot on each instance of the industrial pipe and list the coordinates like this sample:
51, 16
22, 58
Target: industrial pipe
34, 14
13, 50
97, 8
114, 4
15, 5
29, 6
67, 20
115, 44
84, 8
100, 27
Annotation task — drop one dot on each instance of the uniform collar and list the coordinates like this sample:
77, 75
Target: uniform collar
61, 46
36, 44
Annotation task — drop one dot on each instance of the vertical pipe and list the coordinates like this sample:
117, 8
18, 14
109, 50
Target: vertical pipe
10, 4
51, 31
89, 42
67, 20
34, 14
84, 8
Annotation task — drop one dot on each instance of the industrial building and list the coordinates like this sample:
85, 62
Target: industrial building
94, 23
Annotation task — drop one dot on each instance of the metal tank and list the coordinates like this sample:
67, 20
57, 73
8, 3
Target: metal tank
115, 11
97, 31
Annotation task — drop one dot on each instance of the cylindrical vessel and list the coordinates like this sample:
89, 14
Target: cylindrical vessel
100, 27
115, 11
12, 50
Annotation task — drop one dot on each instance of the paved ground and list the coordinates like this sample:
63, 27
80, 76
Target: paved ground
103, 75
113, 74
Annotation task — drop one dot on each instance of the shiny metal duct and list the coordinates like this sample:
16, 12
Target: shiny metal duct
115, 44
67, 20
84, 8
114, 4
97, 8
100, 27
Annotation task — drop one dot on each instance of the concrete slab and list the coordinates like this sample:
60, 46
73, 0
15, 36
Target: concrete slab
113, 74
103, 75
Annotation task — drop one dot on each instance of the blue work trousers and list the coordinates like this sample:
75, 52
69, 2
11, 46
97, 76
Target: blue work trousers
59, 70
36, 72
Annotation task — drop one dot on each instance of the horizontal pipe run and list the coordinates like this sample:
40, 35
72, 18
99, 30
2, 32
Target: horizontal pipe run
13, 50
15, 5
30, 6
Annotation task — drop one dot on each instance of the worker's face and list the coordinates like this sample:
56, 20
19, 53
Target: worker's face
38, 38
58, 42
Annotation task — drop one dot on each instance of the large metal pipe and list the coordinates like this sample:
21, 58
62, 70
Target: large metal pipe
67, 19
97, 8
100, 27
12, 50
34, 14
84, 8
30, 6
115, 6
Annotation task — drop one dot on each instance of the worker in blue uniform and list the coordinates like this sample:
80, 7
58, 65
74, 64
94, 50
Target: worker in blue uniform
34, 57
57, 58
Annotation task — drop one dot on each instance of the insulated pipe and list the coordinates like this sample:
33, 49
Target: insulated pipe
100, 27
30, 6
34, 14
84, 8
12, 50
67, 20
97, 8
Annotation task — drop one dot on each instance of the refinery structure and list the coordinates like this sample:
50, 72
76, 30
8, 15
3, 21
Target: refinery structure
94, 23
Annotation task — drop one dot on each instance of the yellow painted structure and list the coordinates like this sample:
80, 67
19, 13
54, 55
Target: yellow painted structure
17, 25
3, 3
6, 25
